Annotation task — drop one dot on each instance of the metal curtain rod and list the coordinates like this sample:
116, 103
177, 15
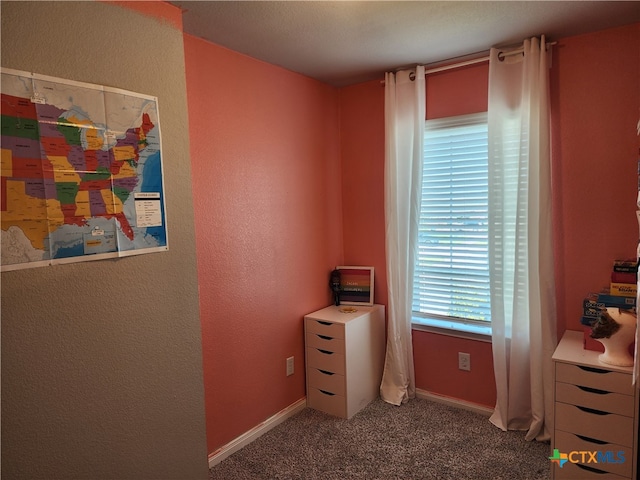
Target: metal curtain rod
472, 61
476, 60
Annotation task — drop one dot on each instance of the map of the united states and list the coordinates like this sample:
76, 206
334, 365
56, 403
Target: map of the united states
80, 172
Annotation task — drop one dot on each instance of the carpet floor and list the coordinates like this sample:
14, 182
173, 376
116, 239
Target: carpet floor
419, 440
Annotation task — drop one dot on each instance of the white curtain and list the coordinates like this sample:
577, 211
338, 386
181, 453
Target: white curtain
404, 137
521, 256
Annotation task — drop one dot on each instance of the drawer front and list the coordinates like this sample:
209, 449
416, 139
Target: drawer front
330, 329
325, 342
573, 471
327, 402
595, 398
610, 427
614, 458
601, 379
325, 360
324, 380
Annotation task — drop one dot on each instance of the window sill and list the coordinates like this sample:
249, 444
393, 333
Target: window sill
480, 333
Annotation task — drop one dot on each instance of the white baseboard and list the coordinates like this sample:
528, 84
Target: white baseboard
249, 436
454, 402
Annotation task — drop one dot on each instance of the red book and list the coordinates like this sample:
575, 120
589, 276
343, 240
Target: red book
624, 277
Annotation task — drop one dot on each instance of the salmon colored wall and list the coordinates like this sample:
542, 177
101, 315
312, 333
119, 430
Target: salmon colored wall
595, 89
436, 365
362, 153
271, 194
266, 186
457, 92
595, 103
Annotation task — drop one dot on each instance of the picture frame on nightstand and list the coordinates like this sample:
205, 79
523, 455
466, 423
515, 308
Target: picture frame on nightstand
356, 285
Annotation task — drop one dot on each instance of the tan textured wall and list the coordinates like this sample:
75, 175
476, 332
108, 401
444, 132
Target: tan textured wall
102, 361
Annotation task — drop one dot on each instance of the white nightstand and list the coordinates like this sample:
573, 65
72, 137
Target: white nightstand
595, 410
344, 358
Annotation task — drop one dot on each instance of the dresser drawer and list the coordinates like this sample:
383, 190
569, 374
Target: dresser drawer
594, 377
327, 402
325, 360
573, 471
608, 427
324, 380
609, 453
595, 398
325, 342
330, 329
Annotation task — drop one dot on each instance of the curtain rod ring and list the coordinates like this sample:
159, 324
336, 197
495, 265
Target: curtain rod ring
502, 55
412, 76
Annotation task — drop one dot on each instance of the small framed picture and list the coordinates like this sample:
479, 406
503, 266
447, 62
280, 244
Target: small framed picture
356, 285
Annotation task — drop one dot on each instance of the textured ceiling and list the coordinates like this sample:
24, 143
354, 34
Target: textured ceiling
345, 42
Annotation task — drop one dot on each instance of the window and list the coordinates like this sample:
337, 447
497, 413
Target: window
451, 282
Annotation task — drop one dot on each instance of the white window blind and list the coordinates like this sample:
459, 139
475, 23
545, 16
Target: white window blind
452, 268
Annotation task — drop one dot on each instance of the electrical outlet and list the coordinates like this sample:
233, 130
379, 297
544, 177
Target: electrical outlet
289, 366
464, 361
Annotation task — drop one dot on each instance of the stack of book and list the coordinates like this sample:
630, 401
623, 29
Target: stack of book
624, 278
621, 293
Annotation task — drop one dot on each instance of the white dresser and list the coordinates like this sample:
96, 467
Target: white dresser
344, 358
595, 414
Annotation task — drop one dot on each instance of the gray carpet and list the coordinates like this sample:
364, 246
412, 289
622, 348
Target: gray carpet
419, 440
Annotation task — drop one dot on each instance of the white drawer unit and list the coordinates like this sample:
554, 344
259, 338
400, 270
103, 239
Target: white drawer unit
344, 358
595, 414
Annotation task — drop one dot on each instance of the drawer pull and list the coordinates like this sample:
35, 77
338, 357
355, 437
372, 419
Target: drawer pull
327, 393
592, 369
592, 410
593, 390
323, 323
324, 337
326, 352
591, 440
325, 372
590, 469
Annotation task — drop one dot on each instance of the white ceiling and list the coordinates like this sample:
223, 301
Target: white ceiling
346, 42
